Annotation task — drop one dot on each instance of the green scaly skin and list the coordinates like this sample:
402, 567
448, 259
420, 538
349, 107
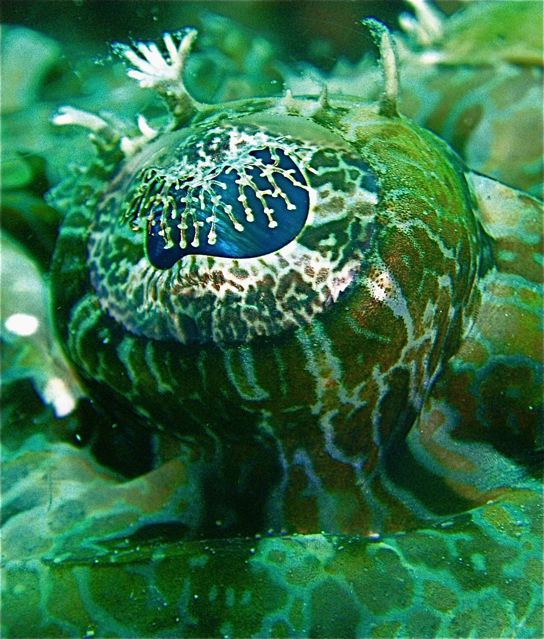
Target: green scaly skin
371, 434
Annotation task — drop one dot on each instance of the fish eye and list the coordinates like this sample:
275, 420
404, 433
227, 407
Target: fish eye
230, 193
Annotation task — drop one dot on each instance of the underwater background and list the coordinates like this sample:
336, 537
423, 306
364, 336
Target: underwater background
352, 445
316, 32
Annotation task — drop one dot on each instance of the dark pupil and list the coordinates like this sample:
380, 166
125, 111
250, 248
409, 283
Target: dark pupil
285, 196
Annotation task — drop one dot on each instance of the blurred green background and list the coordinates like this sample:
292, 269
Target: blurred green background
317, 31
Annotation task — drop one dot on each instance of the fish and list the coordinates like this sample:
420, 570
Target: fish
315, 334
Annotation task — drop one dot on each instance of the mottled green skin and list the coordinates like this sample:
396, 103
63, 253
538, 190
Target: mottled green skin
354, 426
362, 366
463, 578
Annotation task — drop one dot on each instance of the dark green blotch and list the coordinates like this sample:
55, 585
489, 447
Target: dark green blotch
334, 611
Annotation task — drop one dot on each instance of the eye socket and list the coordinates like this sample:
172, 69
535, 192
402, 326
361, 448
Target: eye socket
294, 200
251, 204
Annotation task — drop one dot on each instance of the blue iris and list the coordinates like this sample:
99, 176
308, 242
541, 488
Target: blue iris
288, 204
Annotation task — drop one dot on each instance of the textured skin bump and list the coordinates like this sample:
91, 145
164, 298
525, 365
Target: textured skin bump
340, 428
352, 347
